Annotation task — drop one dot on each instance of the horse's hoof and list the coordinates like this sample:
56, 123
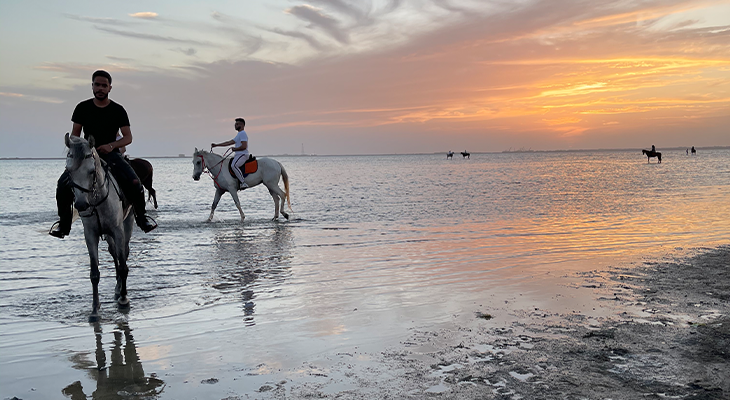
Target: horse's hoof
123, 302
285, 215
94, 318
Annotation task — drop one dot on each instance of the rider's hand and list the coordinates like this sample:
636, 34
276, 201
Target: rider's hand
104, 149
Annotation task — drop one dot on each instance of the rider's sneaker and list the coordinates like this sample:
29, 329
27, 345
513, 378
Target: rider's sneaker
145, 224
56, 230
242, 186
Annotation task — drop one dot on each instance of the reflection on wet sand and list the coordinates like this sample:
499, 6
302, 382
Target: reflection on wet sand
121, 378
249, 257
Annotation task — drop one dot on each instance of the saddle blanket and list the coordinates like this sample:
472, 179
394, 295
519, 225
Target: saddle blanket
249, 167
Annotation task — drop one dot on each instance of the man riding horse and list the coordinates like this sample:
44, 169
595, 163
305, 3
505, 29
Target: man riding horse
101, 118
240, 143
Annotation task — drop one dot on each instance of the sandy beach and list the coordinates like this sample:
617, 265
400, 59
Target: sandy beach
669, 337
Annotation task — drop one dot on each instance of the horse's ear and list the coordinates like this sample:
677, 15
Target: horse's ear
67, 140
92, 142
196, 150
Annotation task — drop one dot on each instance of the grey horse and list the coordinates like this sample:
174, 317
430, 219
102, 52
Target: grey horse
99, 202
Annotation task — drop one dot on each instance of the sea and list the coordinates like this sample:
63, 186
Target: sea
375, 247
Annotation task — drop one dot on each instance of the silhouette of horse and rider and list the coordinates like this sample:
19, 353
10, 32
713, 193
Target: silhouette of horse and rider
652, 153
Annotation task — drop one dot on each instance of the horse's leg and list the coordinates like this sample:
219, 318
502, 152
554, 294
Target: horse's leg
120, 292
118, 251
150, 192
216, 199
153, 194
92, 243
113, 252
276, 197
276, 192
234, 194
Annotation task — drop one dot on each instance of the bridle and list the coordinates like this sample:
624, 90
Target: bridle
93, 189
207, 170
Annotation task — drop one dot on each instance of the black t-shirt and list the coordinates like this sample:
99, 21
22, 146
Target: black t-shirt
101, 123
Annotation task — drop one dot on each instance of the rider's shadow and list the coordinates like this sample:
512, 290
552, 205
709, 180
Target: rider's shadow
119, 377
251, 261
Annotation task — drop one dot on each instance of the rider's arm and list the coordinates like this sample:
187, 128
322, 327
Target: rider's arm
226, 143
123, 141
244, 146
76, 130
126, 138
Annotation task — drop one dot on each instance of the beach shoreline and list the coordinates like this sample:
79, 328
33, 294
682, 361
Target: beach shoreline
663, 331
668, 337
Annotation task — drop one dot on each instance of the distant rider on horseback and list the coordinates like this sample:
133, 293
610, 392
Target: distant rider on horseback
241, 149
101, 118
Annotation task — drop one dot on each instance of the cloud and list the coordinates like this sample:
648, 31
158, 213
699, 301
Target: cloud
188, 52
299, 35
115, 58
97, 20
41, 99
153, 37
318, 19
342, 7
144, 15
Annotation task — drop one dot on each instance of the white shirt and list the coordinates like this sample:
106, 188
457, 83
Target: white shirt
241, 137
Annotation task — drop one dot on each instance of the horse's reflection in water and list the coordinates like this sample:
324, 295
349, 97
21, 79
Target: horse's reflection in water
120, 377
252, 260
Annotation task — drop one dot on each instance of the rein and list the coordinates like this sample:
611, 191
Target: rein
208, 171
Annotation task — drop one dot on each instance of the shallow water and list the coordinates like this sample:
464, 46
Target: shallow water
377, 245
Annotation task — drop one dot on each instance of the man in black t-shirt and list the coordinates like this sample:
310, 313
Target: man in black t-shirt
103, 119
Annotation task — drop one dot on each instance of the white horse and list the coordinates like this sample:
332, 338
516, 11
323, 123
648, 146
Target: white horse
99, 202
268, 173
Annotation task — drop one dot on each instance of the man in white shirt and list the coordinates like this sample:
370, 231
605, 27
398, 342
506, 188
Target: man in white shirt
241, 149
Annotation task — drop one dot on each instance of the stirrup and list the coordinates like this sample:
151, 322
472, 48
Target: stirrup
148, 226
57, 232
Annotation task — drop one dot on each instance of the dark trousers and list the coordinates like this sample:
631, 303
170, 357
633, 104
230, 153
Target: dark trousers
122, 172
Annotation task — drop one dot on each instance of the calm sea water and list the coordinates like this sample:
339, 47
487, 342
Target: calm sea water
377, 245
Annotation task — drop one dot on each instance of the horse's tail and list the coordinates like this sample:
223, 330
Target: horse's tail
285, 178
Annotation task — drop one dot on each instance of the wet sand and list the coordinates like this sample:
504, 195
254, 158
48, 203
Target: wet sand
657, 329
669, 337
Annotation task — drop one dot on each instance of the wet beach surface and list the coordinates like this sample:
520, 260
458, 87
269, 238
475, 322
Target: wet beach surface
380, 285
669, 338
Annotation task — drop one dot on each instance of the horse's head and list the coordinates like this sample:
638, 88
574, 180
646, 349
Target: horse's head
83, 165
198, 164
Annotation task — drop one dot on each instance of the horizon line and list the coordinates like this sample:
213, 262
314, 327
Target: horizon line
406, 154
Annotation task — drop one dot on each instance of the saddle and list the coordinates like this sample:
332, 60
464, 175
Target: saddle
249, 166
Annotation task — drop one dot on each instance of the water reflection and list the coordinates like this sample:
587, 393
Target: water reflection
252, 260
120, 377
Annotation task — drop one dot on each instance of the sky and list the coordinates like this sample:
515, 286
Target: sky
371, 77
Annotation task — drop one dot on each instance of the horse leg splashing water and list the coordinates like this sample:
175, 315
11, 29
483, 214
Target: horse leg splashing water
268, 173
98, 200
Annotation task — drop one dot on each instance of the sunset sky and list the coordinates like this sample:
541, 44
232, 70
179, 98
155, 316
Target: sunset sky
371, 77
